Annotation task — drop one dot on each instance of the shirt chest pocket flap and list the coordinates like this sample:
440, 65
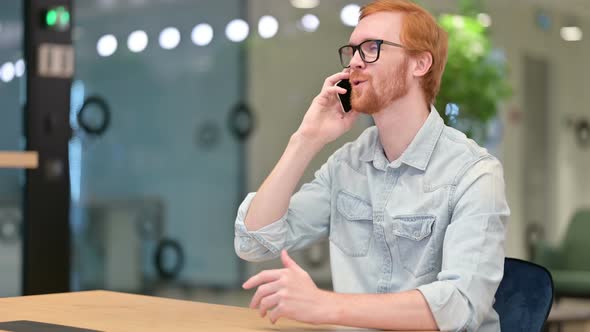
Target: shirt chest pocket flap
352, 226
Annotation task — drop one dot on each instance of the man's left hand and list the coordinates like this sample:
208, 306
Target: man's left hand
289, 292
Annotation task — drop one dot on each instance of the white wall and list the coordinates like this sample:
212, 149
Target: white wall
514, 31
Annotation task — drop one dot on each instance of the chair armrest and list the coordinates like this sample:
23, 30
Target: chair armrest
547, 255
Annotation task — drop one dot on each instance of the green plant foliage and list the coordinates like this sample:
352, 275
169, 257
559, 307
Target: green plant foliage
474, 79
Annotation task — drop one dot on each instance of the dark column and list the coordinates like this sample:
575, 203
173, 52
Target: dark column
49, 59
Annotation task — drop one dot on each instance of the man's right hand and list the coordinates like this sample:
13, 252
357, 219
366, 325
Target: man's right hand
325, 121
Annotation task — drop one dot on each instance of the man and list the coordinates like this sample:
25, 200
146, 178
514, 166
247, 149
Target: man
415, 212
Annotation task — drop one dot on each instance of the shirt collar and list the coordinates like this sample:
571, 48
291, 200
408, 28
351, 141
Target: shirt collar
417, 154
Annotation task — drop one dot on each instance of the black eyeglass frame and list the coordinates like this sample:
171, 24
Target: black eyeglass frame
358, 48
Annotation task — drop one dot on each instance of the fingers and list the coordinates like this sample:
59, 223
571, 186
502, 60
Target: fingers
277, 313
268, 303
264, 291
288, 262
332, 80
328, 95
262, 278
338, 89
334, 90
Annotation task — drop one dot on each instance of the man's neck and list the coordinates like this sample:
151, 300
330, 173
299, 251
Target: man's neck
399, 123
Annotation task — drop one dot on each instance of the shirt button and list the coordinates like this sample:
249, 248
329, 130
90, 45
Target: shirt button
245, 245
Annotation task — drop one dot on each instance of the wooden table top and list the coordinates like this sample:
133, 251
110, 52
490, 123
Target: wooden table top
112, 311
19, 159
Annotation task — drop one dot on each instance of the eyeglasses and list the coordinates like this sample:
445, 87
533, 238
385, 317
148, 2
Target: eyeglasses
369, 51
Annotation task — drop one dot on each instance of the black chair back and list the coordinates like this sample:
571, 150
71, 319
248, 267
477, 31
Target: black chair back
524, 297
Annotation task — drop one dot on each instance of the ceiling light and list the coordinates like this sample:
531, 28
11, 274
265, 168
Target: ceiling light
137, 41
202, 34
309, 23
237, 30
305, 4
268, 27
7, 72
106, 45
350, 15
571, 33
484, 19
169, 38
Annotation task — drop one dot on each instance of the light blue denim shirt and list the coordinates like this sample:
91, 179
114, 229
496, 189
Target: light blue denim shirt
433, 220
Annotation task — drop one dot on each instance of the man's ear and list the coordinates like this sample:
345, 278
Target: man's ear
422, 64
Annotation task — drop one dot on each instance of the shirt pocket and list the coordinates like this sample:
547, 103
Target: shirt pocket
412, 235
352, 225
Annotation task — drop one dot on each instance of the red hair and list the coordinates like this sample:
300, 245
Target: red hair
420, 33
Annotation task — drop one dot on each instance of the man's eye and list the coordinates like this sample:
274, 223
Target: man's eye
371, 47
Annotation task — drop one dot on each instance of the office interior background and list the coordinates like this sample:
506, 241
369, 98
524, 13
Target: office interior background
179, 108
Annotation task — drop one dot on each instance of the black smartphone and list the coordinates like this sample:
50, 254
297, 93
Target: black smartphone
345, 98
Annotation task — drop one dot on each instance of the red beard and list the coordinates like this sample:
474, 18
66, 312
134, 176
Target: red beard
368, 99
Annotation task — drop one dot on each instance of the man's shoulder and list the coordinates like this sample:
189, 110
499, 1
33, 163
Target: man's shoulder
456, 152
459, 143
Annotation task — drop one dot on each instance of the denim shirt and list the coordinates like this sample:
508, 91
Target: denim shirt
432, 220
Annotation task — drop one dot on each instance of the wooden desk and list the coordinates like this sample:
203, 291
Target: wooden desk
19, 159
111, 311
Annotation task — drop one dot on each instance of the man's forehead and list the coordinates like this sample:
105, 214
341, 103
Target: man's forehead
381, 25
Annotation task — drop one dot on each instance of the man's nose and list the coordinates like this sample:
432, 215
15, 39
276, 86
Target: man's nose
357, 61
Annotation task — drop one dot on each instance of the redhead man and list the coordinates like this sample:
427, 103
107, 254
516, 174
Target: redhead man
415, 212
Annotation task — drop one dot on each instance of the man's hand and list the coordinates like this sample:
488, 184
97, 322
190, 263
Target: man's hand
324, 121
290, 291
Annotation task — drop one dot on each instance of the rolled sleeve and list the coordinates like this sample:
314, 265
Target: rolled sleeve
473, 250
262, 244
306, 221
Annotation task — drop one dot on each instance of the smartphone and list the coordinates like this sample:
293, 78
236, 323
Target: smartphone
345, 98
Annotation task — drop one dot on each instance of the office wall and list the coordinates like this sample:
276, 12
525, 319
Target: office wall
567, 183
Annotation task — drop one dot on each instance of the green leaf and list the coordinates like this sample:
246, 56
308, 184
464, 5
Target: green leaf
473, 79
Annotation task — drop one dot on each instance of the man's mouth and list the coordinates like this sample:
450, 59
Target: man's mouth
357, 82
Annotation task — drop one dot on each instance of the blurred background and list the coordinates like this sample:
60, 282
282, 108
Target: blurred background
179, 108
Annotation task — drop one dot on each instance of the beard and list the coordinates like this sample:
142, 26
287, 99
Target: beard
375, 96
